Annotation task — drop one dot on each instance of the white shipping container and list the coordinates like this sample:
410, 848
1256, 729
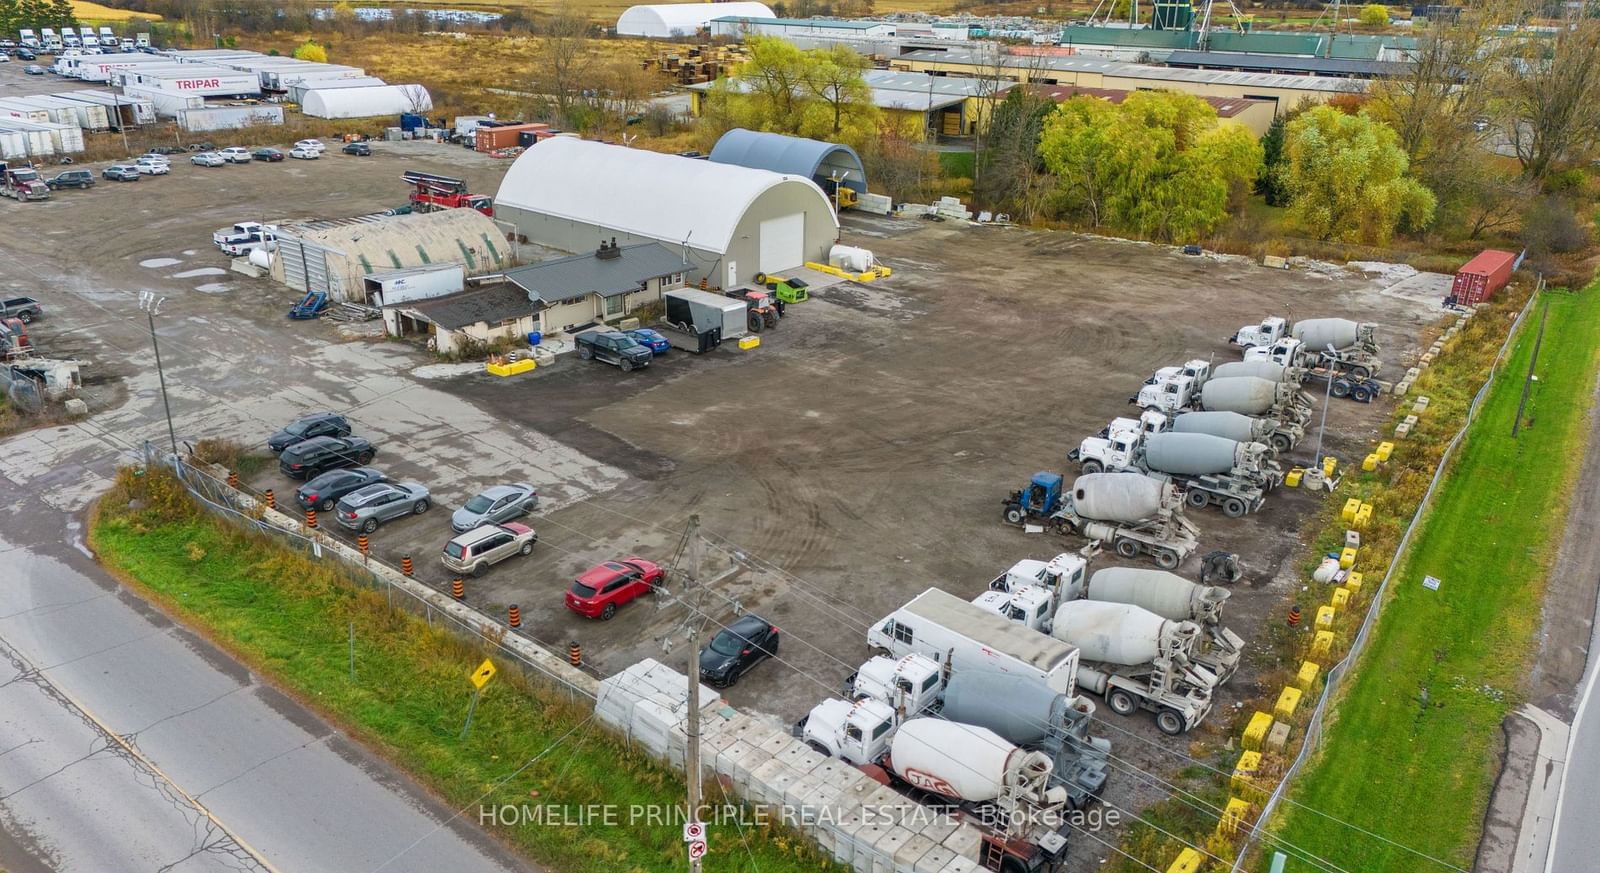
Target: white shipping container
229, 117
167, 104
13, 144
51, 138
22, 112
196, 79
141, 110
89, 116
55, 114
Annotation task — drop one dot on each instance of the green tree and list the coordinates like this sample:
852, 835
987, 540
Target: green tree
1158, 165
1346, 177
311, 51
33, 13
1012, 176
61, 14
1374, 15
1270, 184
10, 17
820, 93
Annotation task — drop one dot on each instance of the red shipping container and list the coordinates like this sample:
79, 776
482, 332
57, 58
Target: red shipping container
1482, 276
487, 139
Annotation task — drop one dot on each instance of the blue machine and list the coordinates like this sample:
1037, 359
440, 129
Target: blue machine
312, 306
1040, 500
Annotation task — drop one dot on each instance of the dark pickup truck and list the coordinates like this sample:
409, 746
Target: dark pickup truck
613, 347
24, 308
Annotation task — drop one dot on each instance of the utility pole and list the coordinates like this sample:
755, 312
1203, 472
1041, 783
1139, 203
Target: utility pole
691, 755
151, 304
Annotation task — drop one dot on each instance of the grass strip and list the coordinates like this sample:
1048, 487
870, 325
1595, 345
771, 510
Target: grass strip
288, 617
1413, 749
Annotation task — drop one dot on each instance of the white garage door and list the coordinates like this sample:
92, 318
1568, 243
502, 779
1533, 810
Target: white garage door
783, 243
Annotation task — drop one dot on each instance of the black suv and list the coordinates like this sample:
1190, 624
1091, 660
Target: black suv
71, 179
613, 347
314, 425
313, 457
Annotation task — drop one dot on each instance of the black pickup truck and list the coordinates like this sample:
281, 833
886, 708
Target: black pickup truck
613, 347
24, 308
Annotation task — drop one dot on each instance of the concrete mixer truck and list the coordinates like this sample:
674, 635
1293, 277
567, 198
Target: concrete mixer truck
1346, 347
1282, 436
1211, 470
1170, 389
1132, 513
1283, 402
1136, 660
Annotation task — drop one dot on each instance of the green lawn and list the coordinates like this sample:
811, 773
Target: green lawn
1411, 753
288, 616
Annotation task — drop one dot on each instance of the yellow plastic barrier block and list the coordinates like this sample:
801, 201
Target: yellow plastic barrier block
1322, 644
1347, 558
1325, 617
1233, 816
1244, 774
1288, 702
1340, 599
1256, 731
1351, 507
1329, 464
1292, 478
1363, 516
1385, 449
1189, 861
1307, 676
1353, 582
1370, 462
510, 369
749, 342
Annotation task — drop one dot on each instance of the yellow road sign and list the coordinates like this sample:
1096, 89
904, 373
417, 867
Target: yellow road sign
481, 676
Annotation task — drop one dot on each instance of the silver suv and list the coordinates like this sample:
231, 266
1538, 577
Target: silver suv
473, 551
365, 508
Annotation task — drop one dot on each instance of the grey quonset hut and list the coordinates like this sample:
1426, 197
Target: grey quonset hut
828, 164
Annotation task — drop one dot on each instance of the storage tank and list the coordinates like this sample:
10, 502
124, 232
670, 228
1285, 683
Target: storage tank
962, 761
1228, 425
1319, 333
1259, 367
851, 258
1247, 395
1190, 454
1124, 497
1121, 633
1167, 595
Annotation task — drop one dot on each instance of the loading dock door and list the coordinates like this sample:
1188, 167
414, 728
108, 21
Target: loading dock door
783, 243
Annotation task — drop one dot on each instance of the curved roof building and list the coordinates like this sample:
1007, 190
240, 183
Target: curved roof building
825, 163
663, 20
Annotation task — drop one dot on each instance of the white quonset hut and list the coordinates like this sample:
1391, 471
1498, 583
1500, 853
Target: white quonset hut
732, 222
828, 164
664, 20
365, 102
337, 256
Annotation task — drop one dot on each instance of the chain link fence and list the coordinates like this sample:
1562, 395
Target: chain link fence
1314, 725
21, 391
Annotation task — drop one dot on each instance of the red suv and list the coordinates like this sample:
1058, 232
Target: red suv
598, 591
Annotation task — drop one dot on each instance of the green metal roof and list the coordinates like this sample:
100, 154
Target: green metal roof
1265, 43
1143, 38
1347, 46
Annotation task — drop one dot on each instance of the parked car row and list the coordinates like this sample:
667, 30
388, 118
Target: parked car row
158, 161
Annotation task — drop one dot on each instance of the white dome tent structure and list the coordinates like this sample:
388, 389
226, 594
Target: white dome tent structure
667, 20
365, 102
730, 222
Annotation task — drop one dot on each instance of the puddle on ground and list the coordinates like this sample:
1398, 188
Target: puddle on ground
203, 271
213, 287
157, 263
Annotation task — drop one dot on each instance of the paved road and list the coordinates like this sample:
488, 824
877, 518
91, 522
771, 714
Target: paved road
1575, 845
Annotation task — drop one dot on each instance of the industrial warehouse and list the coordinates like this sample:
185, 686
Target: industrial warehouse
943, 440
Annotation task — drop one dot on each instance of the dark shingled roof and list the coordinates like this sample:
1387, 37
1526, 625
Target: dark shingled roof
576, 276
495, 303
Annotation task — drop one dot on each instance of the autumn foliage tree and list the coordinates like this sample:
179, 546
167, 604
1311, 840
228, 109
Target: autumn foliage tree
818, 93
1347, 178
1158, 165
311, 51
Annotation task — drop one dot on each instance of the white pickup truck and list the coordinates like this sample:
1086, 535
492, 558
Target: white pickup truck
241, 232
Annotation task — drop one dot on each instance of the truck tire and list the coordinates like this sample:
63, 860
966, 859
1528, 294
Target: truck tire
1091, 467
1126, 548
1361, 394
1167, 559
771, 319
755, 322
1280, 441
626, 365
818, 748
585, 353
1169, 722
1197, 498
1013, 514
1360, 372
1121, 702
1233, 507
1340, 388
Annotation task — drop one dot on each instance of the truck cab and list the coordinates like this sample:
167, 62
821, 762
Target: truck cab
910, 685
1198, 372
1118, 451
1028, 605
1285, 350
1064, 572
856, 732
1168, 391
22, 183
1040, 500
1269, 331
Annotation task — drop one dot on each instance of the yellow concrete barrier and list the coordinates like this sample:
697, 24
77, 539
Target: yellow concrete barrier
1189, 861
1256, 731
1329, 464
1340, 599
1287, 703
749, 342
1363, 516
1292, 478
1322, 644
1353, 582
1307, 676
1370, 462
1325, 618
1233, 816
1244, 775
1385, 449
1351, 507
1347, 558
511, 369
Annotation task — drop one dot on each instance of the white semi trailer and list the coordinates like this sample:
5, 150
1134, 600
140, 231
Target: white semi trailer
952, 631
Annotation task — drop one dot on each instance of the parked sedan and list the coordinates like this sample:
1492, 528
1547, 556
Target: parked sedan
474, 551
366, 508
496, 504
301, 154
324, 491
269, 155
33, 70
739, 647
121, 173
236, 155
307, 426
359, 149
311, 145
152, 168
650, 339
208, 159
601, 589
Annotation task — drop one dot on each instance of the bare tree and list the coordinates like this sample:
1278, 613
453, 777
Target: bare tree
564, 63
1434, 101
1551, 93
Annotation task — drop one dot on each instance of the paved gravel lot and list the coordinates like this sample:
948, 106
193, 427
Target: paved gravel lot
856, 458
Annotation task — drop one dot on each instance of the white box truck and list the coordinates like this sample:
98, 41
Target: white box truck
943, 626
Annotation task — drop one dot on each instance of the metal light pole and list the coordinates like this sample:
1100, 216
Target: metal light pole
692, 729
151, 304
